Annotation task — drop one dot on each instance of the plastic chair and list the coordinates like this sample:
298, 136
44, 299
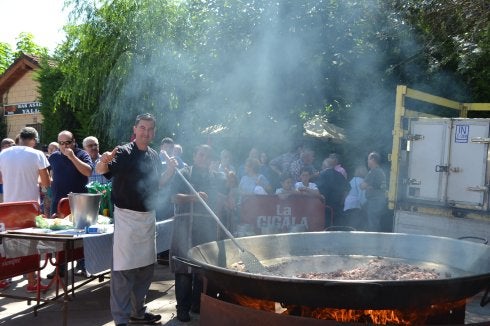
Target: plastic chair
19, 214
64, 206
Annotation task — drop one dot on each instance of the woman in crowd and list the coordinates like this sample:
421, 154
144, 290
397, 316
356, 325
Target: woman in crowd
355, 200
252, 182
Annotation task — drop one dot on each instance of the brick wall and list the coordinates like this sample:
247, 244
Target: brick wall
23, 91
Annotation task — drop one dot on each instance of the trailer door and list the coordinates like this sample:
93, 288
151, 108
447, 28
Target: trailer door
468, 163
428, 159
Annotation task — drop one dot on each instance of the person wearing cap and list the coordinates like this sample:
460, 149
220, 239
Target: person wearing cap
21, 168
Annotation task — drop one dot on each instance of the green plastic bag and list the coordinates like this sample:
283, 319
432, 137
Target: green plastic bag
105, 190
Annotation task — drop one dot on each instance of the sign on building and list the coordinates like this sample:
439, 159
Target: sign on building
23, 108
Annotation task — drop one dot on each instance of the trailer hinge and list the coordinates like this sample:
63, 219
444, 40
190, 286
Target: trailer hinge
480, 140
414, 182
442, 168
478, 188
455, 169
415, 137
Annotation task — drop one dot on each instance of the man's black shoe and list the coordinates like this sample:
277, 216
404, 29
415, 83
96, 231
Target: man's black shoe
148, 319
183, 316
53, 273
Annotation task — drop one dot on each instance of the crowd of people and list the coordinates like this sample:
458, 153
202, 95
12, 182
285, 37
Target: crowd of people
358, 202
29, 174
147, 187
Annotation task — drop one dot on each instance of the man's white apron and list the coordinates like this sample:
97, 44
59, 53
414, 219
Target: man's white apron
134, 239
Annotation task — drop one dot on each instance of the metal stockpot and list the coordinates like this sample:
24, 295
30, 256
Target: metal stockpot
84, 209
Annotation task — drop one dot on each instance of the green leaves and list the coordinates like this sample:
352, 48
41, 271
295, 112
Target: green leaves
262, 65
25, 44
6, 56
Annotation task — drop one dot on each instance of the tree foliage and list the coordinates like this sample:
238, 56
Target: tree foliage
25, 44
456, 39
50, 78
258, 69
6, 56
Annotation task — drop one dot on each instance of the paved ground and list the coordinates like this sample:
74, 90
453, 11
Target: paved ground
90, 307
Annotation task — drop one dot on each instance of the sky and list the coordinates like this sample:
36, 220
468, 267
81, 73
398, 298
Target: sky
43, 18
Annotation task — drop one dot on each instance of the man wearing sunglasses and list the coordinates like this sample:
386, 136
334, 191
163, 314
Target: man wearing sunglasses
70, 169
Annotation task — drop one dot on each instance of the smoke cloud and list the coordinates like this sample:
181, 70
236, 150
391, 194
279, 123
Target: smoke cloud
261, 68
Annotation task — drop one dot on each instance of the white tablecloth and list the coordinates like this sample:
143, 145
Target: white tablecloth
97, 248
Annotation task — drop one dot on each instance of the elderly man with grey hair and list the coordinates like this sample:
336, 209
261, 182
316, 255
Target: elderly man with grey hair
307, 157
91, 146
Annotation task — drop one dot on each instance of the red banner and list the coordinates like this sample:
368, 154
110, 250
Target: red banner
11, 267
282, 214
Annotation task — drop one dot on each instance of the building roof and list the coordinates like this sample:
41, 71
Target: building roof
17, 70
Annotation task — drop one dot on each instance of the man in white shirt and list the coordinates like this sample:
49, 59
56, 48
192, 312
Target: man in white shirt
22, 170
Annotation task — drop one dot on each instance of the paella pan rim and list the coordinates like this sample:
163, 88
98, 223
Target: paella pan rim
372, 294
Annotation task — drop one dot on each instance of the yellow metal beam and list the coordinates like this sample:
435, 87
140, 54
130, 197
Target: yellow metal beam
477, 106
401, 92
426, 97
416, 114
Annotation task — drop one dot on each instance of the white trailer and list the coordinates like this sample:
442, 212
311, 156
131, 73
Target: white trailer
440, 171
